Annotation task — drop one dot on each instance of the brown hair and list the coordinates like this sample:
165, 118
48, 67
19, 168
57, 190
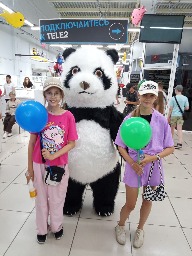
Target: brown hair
159, 103
160, 84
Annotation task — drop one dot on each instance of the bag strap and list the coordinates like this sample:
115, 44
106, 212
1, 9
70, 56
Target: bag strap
178, 105
151, 171
41, 146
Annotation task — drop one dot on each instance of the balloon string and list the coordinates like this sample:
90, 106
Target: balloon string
47, 162
139, 178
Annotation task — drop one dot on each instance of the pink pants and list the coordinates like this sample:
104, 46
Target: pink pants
49, 200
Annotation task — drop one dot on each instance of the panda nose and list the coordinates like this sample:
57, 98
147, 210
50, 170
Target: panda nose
84, 85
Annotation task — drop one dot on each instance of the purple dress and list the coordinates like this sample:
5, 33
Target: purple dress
161, 139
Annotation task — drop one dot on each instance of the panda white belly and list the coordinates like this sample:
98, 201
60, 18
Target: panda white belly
94, 155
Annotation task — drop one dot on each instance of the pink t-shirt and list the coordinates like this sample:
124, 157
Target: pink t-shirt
58, 131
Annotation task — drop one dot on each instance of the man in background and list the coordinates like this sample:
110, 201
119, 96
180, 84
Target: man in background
8, 87
175, 116
132, 99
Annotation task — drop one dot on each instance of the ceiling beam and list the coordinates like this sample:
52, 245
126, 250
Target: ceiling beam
88, 10
172, 11
96, 16
93, 1
174, 2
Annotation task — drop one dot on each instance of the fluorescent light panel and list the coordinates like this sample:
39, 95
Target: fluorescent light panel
29, 23
133, 29
35, 28
6, 8
61, 45
89, 45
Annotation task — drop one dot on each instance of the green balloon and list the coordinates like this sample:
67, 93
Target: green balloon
135, 132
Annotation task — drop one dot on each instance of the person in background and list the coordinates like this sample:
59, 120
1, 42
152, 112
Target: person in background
131, 99
159, 103
189, 93
160, 146
8, 87
9, 119
27, 83
175, 117
50, 149
0, 105
160, 87
117, 98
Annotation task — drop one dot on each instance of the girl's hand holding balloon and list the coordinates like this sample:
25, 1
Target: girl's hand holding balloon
46, 154
137, 168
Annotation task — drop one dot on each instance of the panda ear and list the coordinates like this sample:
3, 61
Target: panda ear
67, 52
113, 54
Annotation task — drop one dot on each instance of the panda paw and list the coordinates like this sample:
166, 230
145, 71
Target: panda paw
70, 211
104, 212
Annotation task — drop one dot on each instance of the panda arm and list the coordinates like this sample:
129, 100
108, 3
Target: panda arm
116, 118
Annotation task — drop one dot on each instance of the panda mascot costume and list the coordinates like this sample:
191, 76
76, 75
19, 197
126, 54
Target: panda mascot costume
90, 87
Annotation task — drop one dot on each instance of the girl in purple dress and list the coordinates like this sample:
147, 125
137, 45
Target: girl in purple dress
160, 146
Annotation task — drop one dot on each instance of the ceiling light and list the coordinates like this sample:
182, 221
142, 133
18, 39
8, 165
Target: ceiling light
95, 45
35, 28
61, 45
165, 28
112, 46
4, 7
133, 29
29, 23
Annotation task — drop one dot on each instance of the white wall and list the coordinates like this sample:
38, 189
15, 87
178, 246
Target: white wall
12, 42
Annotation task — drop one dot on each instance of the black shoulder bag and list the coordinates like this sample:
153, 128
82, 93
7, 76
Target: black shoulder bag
53, 174
184, 114
159, 193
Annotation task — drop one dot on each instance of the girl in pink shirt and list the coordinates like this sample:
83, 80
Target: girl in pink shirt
50, 149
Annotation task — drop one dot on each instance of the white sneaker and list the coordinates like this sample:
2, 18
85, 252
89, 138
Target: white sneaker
120, 234
5, 135
9, 134
138, 238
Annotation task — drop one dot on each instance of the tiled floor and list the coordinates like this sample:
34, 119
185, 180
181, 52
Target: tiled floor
168, 231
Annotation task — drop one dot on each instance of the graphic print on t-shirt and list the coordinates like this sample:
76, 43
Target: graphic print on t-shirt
53, 138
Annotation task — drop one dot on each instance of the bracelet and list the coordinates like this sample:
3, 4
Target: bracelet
158, 157
27, 174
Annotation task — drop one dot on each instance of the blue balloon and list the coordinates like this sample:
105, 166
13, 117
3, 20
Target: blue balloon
31, 115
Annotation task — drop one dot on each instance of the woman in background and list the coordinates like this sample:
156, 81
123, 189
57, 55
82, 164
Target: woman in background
159, 103
27, 83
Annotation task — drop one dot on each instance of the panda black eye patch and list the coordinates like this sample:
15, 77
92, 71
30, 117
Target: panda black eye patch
74, 70
99, 72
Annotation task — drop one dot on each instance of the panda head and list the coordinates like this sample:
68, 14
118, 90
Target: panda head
89, 78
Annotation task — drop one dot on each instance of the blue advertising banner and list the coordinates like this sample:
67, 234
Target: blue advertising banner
87, 31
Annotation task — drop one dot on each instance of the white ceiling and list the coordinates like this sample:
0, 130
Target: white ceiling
33, 10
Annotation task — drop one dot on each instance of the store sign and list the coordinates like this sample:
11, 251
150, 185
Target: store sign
88, 31
134, 78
